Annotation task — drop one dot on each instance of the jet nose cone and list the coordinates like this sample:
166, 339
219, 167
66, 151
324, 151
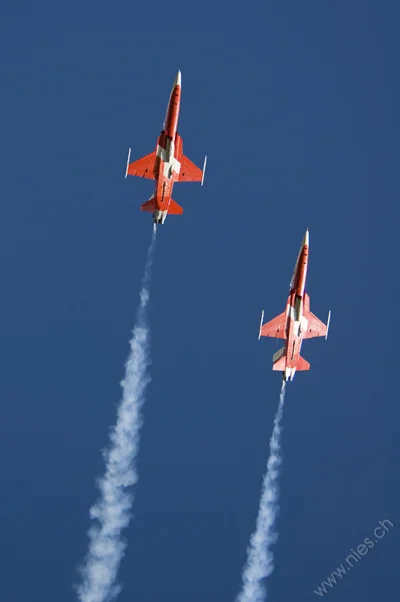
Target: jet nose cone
306, 239
178, 79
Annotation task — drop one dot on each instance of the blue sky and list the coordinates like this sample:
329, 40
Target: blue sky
296, 105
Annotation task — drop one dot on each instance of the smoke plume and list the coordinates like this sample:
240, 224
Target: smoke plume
260, 559
111, 512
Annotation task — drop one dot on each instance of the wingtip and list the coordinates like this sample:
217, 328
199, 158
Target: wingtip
327, 324
204, 170
262, 317
127, 162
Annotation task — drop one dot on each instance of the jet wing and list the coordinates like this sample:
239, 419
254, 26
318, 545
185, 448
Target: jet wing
275, 328
315, 327
189, 171
143, 168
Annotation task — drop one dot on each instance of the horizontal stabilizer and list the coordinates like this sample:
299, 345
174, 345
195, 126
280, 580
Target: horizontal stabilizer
302, 364
174, 208
279, 362
148, 206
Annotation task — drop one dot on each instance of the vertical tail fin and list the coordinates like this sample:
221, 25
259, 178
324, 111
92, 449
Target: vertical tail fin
149, 206
279, 360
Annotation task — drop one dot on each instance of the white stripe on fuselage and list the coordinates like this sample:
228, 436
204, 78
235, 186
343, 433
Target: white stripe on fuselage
167, 157
300, 323
296, 315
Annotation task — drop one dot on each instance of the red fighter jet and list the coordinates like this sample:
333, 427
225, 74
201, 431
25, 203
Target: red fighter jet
296, 322
167, 164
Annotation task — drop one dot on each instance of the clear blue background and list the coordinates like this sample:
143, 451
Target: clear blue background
296, 105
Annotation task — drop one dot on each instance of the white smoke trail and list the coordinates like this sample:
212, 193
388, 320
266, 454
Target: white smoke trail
112, 510
260, 559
